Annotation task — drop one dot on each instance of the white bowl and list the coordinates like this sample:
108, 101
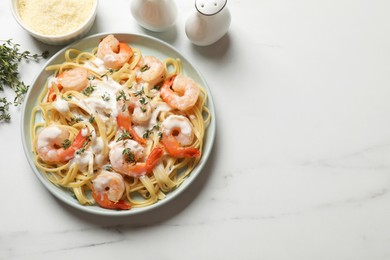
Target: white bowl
81, 31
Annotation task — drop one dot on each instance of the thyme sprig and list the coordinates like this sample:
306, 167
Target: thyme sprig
10, 57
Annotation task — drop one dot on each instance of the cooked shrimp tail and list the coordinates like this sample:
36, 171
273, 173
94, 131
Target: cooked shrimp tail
177, 134
80, 139
124, 122
153, 159
104, 202
50, 144
126, 156
77, 144
173, 147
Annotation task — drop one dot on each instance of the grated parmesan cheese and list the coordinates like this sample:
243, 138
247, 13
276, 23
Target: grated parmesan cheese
54, 17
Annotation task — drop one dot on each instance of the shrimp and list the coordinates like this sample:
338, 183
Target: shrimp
180, 92
177, 132
114, 53
150, 70
108, 189
73, 79
52, 144
125, 123
125, 157
141, 111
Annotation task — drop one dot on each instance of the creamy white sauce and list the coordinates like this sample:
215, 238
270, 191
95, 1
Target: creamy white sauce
48, 135
102, 100
78, 115
61, 105
83, 159
97, 147
84, 132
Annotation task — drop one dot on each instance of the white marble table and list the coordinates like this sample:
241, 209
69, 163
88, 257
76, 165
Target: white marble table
301, 163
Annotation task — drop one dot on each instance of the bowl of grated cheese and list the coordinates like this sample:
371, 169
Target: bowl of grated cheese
55, 22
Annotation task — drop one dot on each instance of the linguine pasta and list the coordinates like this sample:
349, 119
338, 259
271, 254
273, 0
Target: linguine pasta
92, 113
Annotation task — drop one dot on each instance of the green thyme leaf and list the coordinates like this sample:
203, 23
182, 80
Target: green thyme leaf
125, 135
66, 143
129, 156
88, 91
10, 57
145, 68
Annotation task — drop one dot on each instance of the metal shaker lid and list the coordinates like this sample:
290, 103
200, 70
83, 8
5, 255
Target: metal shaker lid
210, 7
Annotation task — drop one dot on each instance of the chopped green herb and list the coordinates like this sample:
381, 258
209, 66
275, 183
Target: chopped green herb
82, 149
129, 156
66, 143
150, 131
108, 168
145, 68
88, 91
140, 92
143, 101
122, 96
91, 119
147, 133
106, 97
110, 71
75, 120
125, 135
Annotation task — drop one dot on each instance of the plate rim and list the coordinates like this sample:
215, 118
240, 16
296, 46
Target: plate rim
55, 191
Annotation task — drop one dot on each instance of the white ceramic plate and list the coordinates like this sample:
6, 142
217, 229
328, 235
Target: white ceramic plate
148, 46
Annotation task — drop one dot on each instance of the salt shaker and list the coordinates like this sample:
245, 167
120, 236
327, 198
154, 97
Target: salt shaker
154, 15
209, 23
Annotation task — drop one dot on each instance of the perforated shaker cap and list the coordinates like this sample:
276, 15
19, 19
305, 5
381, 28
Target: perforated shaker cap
210, 7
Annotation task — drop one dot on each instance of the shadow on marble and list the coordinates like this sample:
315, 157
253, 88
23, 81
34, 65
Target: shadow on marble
168, 36
216, 50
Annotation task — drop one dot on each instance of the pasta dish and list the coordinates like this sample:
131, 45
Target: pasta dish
119, 129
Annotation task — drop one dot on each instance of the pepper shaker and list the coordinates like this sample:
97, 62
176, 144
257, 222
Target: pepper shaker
209, 23
154, 15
